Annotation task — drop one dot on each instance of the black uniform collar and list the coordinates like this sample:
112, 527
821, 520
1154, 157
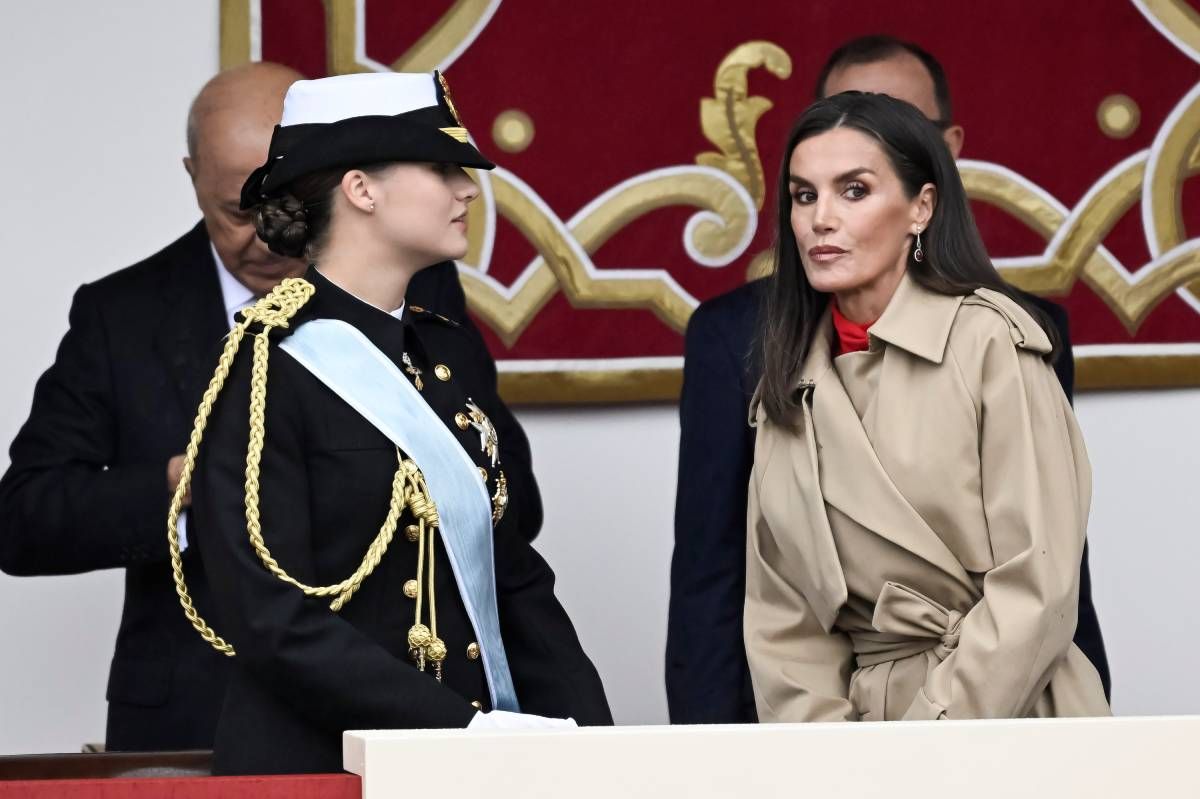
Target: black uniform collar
393, 336
335, 301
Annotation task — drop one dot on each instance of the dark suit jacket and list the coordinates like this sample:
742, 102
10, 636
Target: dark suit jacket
87, 486
707, 678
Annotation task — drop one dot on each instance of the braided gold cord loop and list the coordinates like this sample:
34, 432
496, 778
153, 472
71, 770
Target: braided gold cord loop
224, 363
408, 485
275, 309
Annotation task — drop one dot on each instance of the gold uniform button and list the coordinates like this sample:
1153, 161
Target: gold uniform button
442, 371
483, 473
477, 705
472, 651
410, 589
412, 532
462, 421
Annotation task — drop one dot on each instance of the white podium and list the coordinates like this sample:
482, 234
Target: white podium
1021, 759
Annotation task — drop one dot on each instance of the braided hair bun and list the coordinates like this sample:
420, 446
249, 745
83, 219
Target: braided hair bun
282, 223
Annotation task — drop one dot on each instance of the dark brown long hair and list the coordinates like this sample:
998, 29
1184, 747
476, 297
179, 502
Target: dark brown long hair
955, 261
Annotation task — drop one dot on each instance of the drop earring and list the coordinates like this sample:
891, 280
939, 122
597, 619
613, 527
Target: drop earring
919, 251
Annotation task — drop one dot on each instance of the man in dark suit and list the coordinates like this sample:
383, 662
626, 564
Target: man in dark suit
707, 678
93, 467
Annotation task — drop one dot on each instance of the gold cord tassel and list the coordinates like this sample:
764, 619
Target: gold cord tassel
423, 641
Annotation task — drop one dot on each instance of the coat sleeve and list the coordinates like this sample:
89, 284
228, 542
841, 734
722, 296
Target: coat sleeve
66, 506
551, 672
800, 671
1088, 636
294, 646
1036, 486
706, 672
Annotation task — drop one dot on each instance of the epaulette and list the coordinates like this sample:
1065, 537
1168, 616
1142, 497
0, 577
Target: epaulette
424, 314
1026, 333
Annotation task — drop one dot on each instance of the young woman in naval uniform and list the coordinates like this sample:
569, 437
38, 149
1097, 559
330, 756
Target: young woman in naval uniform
348, 496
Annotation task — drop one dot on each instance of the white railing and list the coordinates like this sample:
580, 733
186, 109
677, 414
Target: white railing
1022, 759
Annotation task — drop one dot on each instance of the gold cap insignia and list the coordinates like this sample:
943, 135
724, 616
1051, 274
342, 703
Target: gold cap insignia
449, 102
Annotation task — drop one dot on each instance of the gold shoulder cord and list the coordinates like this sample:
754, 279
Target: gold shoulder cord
408, 486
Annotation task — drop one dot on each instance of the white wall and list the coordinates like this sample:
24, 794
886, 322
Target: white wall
95, 97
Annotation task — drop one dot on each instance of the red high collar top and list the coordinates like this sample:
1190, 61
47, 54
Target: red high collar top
851, 336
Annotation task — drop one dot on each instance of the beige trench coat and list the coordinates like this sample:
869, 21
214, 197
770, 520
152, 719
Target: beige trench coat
914, 543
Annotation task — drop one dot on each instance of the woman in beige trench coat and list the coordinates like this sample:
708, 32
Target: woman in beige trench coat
919, 499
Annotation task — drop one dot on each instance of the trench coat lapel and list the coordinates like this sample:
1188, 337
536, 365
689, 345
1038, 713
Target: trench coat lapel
795, 508
861, 488
854, 480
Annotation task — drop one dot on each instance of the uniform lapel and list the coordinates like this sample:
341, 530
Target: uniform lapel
192, 320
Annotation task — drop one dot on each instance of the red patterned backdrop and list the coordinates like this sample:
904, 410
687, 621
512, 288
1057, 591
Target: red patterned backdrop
616, 123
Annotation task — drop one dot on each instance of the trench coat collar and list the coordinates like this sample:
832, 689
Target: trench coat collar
917, 320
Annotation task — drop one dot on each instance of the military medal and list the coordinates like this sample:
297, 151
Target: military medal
489, 440
412, 370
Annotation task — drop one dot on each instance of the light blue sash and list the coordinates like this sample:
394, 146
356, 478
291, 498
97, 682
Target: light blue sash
348, 363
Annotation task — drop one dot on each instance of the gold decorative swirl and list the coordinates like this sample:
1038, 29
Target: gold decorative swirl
729, 121
1075, 253
1173, 165
729, 118
235, 33
444, 37
508, 317
341, 37
1133, 302
1002, 191
1176, 17
561, 263
713, 238
1178, 160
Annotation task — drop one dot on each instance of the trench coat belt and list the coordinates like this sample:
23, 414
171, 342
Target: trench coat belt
906, 623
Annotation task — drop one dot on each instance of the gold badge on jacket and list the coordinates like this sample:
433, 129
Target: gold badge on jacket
489, 440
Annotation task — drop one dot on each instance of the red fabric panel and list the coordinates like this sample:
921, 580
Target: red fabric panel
308, 786
614, 90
